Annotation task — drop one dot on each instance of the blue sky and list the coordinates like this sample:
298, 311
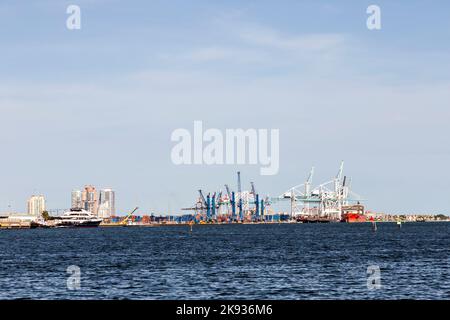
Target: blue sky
98, 105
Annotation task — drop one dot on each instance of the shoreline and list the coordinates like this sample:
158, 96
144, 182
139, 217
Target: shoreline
16, 226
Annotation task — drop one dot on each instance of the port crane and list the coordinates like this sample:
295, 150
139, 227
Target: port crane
253, 189
125, 220
327, 199
241, 213
219, 202
231, 202
203, 199
207, 207
237, 205
255, 200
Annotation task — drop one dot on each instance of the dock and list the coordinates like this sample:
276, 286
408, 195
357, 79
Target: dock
15, 224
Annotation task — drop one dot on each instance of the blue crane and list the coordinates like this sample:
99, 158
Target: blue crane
241, 213
256, 200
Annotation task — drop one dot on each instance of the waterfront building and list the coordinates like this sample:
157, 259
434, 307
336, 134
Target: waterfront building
76, 199
89, 199
107, 206
36, 205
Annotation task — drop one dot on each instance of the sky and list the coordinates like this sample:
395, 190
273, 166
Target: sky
98, 105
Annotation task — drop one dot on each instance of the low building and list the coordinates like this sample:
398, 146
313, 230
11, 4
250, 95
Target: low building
17, 220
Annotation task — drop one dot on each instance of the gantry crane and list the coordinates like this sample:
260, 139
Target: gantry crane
327, 198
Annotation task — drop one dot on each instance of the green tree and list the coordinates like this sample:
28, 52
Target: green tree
46, 215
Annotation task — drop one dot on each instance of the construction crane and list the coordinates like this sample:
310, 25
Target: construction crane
125, 220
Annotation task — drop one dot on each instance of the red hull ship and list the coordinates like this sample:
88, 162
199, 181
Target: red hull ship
353, 214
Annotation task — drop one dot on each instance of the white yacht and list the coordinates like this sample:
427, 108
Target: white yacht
78, 218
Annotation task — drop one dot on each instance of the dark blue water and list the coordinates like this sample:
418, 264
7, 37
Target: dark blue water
303, 261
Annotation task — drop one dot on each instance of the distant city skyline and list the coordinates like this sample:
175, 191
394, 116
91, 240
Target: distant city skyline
98, 105
101, 203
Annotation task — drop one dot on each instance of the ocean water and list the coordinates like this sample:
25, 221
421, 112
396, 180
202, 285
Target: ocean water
302, 261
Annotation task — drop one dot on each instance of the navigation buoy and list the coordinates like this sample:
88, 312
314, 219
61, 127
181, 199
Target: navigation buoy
374, 224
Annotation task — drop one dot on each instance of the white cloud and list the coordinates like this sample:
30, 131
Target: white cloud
215, 53
268, 49
307, 42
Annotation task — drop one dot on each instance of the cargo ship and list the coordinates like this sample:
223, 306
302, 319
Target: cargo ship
353, 214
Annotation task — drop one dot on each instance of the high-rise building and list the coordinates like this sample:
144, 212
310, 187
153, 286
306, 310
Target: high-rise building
107, 206
77, 201
89, 198
36, 205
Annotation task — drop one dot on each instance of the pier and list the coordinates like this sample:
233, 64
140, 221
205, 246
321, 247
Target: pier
15, 224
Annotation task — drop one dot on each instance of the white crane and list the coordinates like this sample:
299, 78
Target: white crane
325, 200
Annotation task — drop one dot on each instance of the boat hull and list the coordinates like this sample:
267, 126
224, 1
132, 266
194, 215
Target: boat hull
77, 224
354, 218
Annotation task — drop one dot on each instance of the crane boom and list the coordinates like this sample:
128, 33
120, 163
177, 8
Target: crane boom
125, 220
308, 183
341, 170
239, 182
228, 191
202, 197
311, 175
241, 213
